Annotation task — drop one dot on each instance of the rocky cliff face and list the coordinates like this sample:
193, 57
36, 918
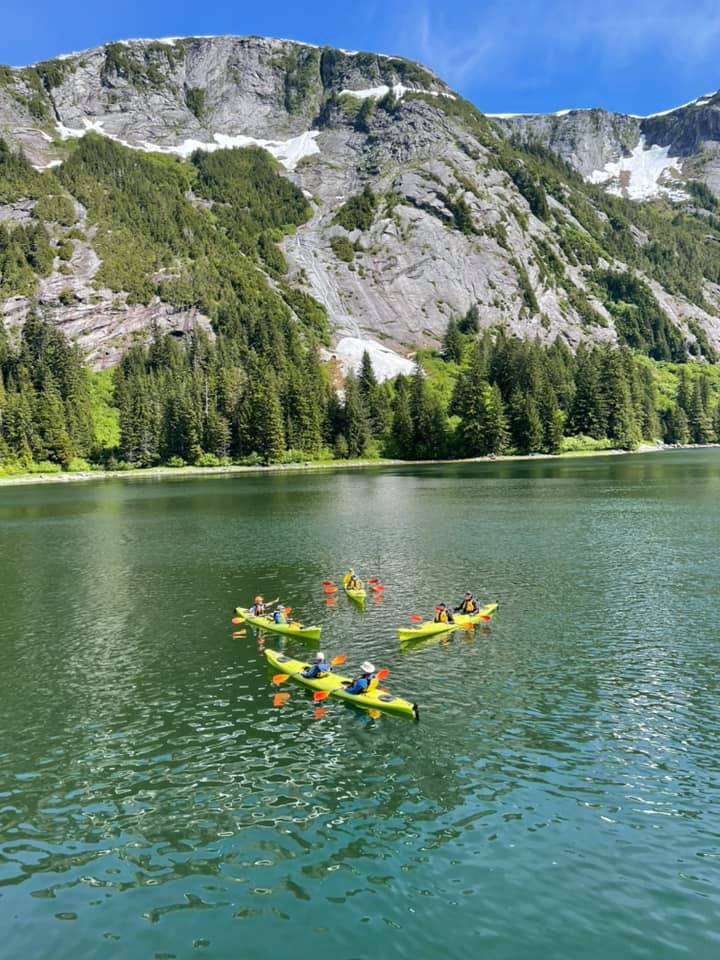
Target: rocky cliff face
451, 229
617, 149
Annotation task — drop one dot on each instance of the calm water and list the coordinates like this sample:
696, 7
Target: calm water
559, 797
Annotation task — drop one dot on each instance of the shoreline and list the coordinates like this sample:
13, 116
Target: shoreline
163, 473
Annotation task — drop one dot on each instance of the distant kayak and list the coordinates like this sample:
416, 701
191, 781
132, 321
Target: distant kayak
375, 700
288, 629
430, 628
357, 595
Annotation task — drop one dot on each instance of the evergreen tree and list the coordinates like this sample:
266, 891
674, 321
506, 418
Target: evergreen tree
357, 428
623, 428
453, 345
698, 420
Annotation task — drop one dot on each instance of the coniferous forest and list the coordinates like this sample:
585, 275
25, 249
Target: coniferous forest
206, 232
269, 399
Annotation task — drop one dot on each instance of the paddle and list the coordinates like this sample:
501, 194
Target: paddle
280, 677
416, 618
329, 589
336, 661
373, 580
328, 583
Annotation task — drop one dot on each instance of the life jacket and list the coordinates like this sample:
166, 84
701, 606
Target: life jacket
279, 617
469, 606
441, 616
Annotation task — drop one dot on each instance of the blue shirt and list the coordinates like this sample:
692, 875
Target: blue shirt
359, 686
316, 669
279, 617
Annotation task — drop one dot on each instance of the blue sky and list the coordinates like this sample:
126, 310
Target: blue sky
636, 56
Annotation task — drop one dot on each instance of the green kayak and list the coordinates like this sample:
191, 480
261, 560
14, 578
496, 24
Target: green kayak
358, 596
287, 629
377, 699
430, 628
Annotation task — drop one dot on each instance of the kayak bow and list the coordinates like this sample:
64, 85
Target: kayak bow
334, 683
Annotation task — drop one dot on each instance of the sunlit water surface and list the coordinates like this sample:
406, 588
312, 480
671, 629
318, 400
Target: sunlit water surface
559, 797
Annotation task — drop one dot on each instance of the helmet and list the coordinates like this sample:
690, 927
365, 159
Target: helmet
279, 608
468, 594
319, 656
258, 600
367, 667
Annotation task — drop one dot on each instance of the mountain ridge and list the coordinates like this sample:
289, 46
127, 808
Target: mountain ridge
462, 219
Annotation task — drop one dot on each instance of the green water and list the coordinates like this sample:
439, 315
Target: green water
559, 797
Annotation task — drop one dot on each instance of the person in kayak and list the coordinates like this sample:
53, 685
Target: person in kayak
319, 669
361, 683
468, 605
279, 615
258, 608
351, 581
443, 614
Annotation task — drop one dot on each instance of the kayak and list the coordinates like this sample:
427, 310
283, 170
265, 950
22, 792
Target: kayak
288, 629
357, 595
430, 628
375, 700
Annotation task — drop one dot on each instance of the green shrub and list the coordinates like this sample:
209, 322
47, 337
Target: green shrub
358, 212
342, 248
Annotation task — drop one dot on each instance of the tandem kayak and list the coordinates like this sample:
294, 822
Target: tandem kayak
375, 700
430, 628
287, 629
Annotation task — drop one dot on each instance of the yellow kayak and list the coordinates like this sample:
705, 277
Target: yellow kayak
430, 628
357, 595
375, 700
288, 629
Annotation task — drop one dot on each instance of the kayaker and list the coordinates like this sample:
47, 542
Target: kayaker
319, 669
361, 683
351, 581
279, 615
258, 608
468, 605
443, 614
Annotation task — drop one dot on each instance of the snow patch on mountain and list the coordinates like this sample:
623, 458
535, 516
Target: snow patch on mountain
386, 363
398, 89
646, 173
288, 152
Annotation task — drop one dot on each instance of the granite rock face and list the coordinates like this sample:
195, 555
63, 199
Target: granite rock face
451, 231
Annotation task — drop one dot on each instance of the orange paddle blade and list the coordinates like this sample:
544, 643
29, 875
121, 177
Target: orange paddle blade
341, 658
319, 712
415, 618
486, 616
321, 695
328, 583
375, 714
373, 580
381, 674
378, 587
280, 699
330, 589
280, 677
237, 620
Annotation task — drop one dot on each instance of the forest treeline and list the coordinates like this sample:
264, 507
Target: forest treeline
267, 397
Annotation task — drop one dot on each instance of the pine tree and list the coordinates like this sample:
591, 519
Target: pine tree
623, 428
676, 426
402, 423
587, 412
698, 420
453, 345
357, 428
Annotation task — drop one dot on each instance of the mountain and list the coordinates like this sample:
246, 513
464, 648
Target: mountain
635, 157
391, 208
